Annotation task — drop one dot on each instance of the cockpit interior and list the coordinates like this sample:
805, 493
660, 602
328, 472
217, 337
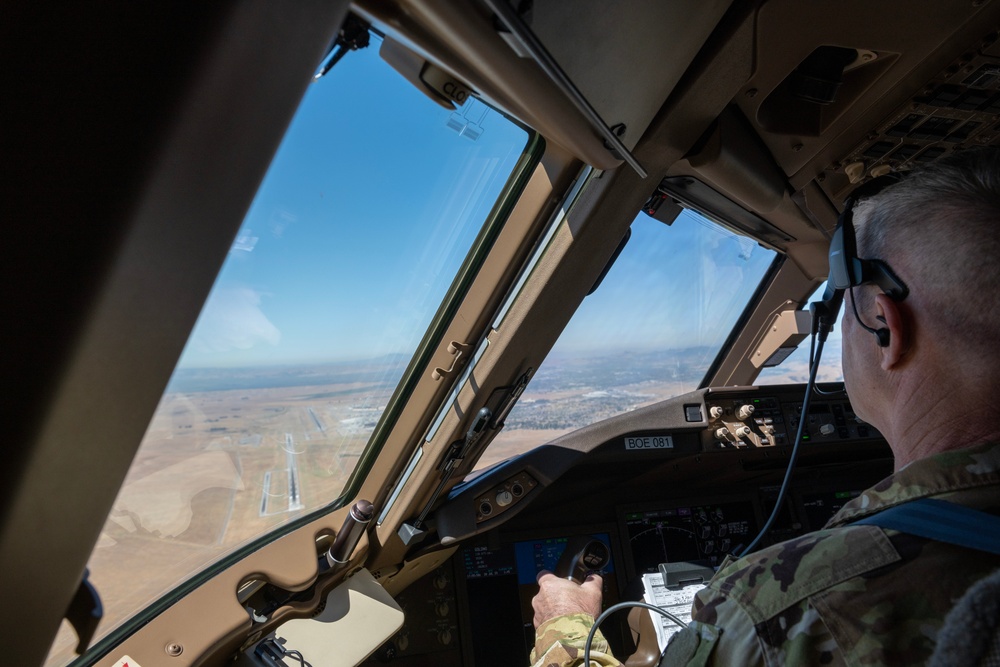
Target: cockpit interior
331, 324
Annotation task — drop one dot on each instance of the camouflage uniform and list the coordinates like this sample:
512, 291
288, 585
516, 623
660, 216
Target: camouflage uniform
844, 595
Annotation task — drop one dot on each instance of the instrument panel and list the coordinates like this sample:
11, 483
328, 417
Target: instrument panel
662, 484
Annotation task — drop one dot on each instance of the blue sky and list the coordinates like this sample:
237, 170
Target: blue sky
368, 210
352, 239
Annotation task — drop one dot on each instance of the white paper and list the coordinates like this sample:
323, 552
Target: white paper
677, 602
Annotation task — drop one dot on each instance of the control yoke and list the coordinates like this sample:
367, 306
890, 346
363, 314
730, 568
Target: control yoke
582, 556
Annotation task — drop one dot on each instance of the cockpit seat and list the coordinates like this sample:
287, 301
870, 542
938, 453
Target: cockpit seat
970, 635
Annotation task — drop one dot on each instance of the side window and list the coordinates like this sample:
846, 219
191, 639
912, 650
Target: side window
795, 369
648, 333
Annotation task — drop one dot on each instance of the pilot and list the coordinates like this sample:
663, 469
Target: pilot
920, 358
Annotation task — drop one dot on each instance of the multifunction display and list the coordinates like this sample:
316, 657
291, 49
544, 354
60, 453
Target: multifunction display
702, 533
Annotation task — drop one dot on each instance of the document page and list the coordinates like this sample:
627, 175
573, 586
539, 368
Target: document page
677, 602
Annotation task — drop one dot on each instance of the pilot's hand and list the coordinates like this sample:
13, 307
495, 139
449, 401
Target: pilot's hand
558, 597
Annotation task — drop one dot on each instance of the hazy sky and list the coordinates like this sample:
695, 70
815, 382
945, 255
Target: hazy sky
672, 287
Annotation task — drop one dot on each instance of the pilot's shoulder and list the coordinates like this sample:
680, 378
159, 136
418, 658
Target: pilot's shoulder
939, 475
773, 579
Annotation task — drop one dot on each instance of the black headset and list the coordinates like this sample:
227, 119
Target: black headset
847, 270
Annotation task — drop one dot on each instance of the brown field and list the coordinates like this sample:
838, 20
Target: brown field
196, 488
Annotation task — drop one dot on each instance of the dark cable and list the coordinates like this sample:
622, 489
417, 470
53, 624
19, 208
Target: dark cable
813, 367
612, 609
298, 656
812, 355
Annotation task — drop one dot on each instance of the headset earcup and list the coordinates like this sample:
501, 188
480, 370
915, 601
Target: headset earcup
883, 337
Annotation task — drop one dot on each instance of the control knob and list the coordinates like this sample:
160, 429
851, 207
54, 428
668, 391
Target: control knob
504, 497
715, 411
827, 429
744, 412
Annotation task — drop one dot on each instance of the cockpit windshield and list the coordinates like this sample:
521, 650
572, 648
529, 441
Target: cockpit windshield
649, 332
367, 213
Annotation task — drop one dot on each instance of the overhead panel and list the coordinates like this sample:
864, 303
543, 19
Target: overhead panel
891, 70
635, 51
958, 109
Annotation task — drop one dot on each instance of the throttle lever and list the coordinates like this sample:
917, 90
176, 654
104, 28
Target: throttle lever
582, 555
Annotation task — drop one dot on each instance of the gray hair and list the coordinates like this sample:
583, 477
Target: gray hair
939, 229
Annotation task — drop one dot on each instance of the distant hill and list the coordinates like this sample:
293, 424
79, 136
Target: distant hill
189, 380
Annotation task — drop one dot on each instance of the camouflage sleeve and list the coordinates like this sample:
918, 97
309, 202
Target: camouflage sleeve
735, 640
560, 641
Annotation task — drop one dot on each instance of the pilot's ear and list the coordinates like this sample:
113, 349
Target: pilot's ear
892, 316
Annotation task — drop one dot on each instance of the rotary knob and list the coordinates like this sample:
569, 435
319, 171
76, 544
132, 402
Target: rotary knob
744, 412
504, 497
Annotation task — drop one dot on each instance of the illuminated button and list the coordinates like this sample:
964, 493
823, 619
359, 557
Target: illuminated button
504, 497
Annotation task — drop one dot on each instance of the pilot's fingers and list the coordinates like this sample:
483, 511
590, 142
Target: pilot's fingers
542, 575
594, 583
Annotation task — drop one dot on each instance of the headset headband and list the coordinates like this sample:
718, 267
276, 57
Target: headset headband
846, 268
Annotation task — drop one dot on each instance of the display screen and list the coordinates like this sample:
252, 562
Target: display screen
702, 533
533, 556
820, 507
506, 576
482, 561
